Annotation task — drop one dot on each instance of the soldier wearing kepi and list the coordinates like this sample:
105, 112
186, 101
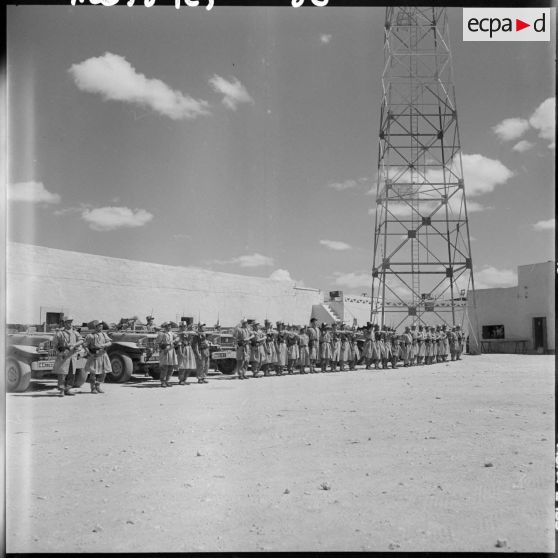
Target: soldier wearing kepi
201, 350
407, 346
314, 344
242, 337
98, 362
167, 354
66, 342
303, 349
258, 352
185, 353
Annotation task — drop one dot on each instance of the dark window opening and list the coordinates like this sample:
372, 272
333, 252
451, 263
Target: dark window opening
493, 332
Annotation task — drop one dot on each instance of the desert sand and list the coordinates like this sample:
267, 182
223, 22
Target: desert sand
449, 457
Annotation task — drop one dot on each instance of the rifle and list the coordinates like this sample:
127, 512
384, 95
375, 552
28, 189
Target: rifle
73, 348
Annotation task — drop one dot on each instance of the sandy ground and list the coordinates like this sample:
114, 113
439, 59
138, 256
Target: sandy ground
441, 458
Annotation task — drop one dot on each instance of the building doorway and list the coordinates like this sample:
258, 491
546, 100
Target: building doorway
540, 344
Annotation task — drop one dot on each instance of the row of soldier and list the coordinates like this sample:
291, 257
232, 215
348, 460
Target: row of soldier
425, 345
281, 350
331, 347
187, 351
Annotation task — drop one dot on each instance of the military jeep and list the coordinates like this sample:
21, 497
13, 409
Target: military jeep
132, 352
31, 355
223, 352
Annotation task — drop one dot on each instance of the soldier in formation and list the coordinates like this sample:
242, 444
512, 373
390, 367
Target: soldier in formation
167, 353
66, 343
186, 357
98, 362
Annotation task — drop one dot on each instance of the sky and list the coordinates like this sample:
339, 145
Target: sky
244, 139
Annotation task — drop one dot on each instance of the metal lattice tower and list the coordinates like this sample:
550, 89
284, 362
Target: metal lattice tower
422, 268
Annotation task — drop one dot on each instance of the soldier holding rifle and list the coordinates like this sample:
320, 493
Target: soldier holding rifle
167, 353
185, 353
200, 344
98, 362
242, 336
66, 343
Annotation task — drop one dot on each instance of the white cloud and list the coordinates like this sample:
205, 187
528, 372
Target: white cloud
490, 277
550, 224
482, 174
111, 218
281, 275
543, 120
113, 77
348, 184
253, 260
340, 186
353, 280
325, 39
31, 192
233, 91
523, 146
335, 244
511, 128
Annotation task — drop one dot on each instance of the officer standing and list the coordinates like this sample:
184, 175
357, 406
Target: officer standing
98, 362
303, 349
167, 354
185, 353
314, 344
201, 350
66, 343
242, 336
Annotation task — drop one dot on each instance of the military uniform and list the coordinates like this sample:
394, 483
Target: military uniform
335, 348
258, 353
282, 356
185, 355
200, 344
344, 350
407, 347
242, 336
167, 355
303, 350
314, 344
66, 342
272, 359
293, 353
97, 364
354, 351
325, 349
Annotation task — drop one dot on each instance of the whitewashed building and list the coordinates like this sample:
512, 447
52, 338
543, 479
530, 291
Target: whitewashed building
43, 281
520, 318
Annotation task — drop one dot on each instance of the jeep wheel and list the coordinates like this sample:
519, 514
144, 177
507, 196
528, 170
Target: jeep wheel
18, 375
122, 368
227, 366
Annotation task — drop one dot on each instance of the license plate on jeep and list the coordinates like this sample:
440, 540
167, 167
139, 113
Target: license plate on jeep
223, 354
43, 364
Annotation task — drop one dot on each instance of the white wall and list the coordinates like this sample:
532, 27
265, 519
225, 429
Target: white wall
515, 307
98, 287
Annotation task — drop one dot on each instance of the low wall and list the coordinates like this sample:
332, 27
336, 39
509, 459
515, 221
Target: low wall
98, 287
